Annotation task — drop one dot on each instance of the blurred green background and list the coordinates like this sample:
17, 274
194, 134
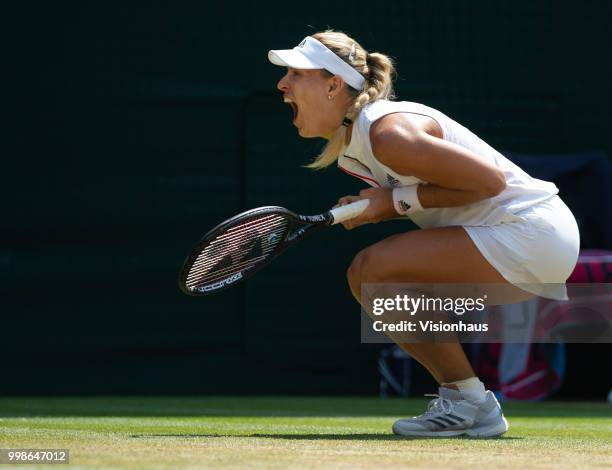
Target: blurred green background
132, 128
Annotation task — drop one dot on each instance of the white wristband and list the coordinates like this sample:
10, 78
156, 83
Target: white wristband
406, 200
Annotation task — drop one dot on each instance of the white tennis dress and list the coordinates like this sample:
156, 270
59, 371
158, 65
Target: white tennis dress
526, 232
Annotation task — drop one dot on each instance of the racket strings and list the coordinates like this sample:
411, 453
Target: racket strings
236, 240
224, 273
239, 248
218, 247
227, 266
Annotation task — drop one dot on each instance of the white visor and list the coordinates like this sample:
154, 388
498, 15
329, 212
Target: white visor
312, 54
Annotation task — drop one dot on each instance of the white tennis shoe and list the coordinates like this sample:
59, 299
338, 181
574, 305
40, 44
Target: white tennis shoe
451, 415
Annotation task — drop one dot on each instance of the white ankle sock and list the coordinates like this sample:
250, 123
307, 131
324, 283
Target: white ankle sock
471, 389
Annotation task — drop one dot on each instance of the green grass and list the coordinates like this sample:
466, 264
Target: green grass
296, 433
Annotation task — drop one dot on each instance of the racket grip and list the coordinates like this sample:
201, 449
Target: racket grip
350, 211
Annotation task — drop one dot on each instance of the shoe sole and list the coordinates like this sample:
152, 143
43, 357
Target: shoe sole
489, 431
480, 432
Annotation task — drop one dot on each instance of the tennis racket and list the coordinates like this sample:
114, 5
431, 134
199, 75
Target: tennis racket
239, 247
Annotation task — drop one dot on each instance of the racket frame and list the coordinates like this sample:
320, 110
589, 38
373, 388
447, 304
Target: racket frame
310, 223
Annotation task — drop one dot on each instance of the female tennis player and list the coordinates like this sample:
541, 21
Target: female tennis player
482, 218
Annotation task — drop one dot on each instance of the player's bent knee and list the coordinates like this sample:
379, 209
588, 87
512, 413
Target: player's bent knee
359, 270
353, 276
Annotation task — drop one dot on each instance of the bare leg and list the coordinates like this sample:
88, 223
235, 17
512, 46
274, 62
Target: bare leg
440, 255
446, 362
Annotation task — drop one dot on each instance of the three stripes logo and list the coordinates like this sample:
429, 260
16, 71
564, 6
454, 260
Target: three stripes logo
447, 421
393, 181
404, 205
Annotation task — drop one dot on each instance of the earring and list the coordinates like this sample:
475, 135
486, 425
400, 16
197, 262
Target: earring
329, 97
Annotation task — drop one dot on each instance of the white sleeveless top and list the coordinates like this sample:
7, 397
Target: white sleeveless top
522, 191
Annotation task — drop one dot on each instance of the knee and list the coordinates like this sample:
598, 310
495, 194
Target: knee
360, 271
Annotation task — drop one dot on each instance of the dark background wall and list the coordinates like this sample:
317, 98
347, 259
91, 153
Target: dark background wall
131, 129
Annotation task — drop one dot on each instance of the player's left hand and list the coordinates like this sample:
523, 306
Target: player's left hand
380, 207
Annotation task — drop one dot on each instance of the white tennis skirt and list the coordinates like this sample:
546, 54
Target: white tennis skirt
536, 249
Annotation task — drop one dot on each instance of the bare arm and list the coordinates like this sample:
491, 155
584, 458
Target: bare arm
456, 176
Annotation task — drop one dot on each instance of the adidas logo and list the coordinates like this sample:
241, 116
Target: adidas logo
393, 181
404, 205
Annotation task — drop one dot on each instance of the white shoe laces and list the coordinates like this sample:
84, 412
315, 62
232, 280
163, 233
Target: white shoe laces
438, 406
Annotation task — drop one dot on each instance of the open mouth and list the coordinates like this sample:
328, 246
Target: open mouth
294, 108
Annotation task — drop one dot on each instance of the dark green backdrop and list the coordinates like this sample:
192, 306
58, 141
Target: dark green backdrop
134, 128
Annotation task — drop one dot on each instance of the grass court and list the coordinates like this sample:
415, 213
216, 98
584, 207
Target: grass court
294, 433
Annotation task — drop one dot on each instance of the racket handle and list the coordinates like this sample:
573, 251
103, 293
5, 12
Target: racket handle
350, 211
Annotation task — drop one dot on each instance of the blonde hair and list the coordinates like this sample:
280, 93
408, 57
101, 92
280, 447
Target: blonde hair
378, 71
